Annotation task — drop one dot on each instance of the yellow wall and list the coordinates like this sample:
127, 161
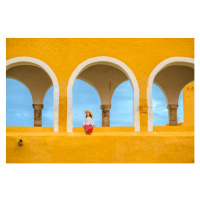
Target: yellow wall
100, 148
188, 104
106, 144
179, 128
64, 55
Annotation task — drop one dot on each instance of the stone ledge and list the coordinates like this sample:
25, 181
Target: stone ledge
105, 134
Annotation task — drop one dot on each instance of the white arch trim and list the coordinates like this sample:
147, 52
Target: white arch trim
112, 62
189, 62
35, 62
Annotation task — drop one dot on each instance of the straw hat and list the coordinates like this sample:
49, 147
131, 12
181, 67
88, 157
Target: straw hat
88, 111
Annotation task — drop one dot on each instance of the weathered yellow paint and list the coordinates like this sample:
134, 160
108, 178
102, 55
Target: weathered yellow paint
101, 147
106, 144
188, 104
28, 129
179, 128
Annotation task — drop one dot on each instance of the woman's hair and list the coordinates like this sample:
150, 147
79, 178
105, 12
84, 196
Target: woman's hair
89, 115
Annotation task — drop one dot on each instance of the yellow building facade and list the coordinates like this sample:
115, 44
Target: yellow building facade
144, 62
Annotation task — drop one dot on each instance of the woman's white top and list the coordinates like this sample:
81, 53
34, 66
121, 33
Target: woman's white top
87, 121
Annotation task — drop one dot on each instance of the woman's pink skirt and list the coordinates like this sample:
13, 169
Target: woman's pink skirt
88, 128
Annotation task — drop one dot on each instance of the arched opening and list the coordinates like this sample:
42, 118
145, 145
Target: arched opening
99, 71
19, 111
38, 77
121, 113
85, 97
171, 75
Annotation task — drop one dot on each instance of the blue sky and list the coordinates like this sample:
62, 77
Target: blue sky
19, 110
160, 111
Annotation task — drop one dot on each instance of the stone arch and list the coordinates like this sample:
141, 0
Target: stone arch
114, 63
14, 62
185, 61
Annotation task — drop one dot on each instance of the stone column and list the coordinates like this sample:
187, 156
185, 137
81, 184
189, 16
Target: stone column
172, 114
38, 114
105, 115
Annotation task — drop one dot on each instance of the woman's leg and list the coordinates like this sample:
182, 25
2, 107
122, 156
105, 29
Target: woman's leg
90, 132
86, 129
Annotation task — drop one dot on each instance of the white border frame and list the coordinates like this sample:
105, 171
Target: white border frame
167, 62
115, 63
13, 62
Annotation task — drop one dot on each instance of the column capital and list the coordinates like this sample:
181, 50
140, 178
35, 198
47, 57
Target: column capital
38, 106
105, 115
105, 107
172, 106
